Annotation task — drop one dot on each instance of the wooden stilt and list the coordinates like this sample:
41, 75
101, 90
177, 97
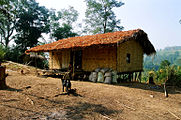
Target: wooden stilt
52, 60
73, 64
129, 77
35, 64
136, 77
132, 77
139, 77
122, 80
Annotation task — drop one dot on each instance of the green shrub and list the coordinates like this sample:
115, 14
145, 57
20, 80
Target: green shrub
12, 54
171, 75
2, 53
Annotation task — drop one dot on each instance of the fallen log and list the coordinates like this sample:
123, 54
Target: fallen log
126, 106
177, 118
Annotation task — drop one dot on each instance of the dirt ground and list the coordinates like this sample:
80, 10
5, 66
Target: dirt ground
30, 97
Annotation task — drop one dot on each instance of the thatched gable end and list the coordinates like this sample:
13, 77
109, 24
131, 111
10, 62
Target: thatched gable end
142, 38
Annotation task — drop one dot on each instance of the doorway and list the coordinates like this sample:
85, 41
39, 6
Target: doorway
76, 59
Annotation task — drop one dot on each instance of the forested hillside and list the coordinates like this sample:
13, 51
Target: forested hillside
172, 54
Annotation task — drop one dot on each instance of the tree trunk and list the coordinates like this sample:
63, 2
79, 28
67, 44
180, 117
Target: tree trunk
2, 77
165, 90
105, 20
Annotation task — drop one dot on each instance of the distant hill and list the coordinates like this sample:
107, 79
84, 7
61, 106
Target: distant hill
170, 50
174, 48
172, 54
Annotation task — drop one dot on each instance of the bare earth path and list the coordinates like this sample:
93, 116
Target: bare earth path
31, 97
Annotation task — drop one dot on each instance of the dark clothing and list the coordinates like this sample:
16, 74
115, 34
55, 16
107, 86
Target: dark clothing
66, 84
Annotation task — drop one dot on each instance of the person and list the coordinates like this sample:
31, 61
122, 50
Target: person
66, 79
70, 70
66, 84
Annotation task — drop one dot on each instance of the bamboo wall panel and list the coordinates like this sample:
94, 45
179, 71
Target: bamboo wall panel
50, 60
55, 61
104, 57
136, 56
65, 58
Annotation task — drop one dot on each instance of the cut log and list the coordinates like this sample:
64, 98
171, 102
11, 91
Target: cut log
2, 77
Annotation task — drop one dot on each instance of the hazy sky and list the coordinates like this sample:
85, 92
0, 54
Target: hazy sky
158, 18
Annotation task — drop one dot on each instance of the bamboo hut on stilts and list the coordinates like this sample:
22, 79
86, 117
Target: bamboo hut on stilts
121, 51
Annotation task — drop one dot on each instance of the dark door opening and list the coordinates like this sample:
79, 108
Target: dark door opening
76, 58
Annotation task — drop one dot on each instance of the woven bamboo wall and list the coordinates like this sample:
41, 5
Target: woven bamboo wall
93, 58
136, 57
55, 61
65, 58
59, 59
103, 57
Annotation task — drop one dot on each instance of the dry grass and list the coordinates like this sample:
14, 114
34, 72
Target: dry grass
31, 97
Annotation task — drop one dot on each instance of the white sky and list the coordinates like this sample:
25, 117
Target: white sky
158, 18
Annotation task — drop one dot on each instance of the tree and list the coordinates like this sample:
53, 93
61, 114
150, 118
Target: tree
178, 61
2, 53
69, 16
164, 64
100, 17
61, 23
63, 32
7, 20
32, 22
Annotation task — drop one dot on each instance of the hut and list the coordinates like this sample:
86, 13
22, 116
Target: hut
122, 51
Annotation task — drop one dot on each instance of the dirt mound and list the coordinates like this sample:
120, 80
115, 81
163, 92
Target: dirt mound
31, 97
21, 68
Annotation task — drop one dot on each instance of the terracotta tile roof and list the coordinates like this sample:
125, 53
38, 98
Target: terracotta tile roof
85, 41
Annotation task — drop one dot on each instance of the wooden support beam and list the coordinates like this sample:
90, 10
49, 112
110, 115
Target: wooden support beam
36, 63
135, 77
139, 77
73, 63
129, 77
52, 59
